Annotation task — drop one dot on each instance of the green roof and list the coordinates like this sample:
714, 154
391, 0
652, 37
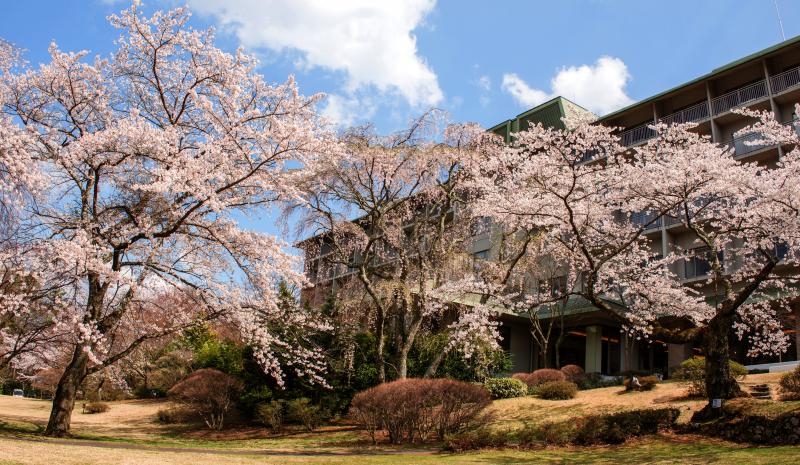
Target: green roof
548, 114
714, 72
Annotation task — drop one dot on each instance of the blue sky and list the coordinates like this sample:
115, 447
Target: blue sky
385, 61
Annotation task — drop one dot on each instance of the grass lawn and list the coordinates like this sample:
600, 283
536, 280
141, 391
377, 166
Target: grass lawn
129, 434
658, 450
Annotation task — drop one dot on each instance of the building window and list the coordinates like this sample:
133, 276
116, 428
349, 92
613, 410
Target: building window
481, 226
699, 263
781, 250
553, 287
481, 255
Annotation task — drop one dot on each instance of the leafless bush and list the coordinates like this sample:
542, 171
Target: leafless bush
208, 392
412, 409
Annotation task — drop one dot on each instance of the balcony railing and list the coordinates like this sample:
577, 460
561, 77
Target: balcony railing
701, 111
670, 220
795, 124
646, 218
747, 143
692, 114
785, 80
589, 155
739, 97
637, 135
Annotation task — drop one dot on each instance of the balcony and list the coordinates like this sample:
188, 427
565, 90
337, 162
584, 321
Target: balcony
794, 124
785, 80
647, 219
692, 114
637, 135
670, 220
739, 97
590, 155
747, 143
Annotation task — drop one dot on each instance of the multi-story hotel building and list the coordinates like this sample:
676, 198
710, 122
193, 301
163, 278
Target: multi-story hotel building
766, 80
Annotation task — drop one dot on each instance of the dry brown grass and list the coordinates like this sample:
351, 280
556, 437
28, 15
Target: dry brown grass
515, 413
28, 453
134, 419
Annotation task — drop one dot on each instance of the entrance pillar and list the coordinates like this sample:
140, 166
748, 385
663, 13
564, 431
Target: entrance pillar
594, 349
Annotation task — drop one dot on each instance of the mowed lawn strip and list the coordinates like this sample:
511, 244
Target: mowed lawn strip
659, 450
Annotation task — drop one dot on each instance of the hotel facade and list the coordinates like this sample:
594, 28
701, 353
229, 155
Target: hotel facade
768, 80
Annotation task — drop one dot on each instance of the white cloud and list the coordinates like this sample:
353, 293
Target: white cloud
485, 83
348, 110
371, 42
522, 92
599, 87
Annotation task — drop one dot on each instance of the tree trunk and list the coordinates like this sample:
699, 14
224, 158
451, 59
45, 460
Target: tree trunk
67, 390
434, 366
408, 343
720, 383
544, 352
379, 345
557, 348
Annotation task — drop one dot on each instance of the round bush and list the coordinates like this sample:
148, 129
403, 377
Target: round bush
646, 383
412, 409
95, 407
790, 383
540, 376
557, 390
573, 373
693, 371
505, 388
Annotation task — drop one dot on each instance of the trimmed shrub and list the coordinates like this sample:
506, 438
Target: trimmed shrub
208, 392
573, 373
550, 434
557, 390
693, 372
646, 383
173, 415
790, 384
613, 428
412, 409
95, 407
271, 414
476, 439
303, 412
540, 376
618, 427
505, 388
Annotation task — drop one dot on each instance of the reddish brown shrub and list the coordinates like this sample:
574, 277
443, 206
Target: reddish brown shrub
573, 373
95, 407
645, 383
412, 409
208, 392
790, 384
557, 390
540, 376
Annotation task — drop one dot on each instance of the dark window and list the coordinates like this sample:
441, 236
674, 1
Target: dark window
505, 338
699, 262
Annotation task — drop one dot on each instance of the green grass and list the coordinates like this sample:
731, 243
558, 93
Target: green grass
658, 450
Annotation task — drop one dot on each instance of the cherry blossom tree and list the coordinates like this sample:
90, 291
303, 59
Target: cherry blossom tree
592, 201
410, 231
143, 163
